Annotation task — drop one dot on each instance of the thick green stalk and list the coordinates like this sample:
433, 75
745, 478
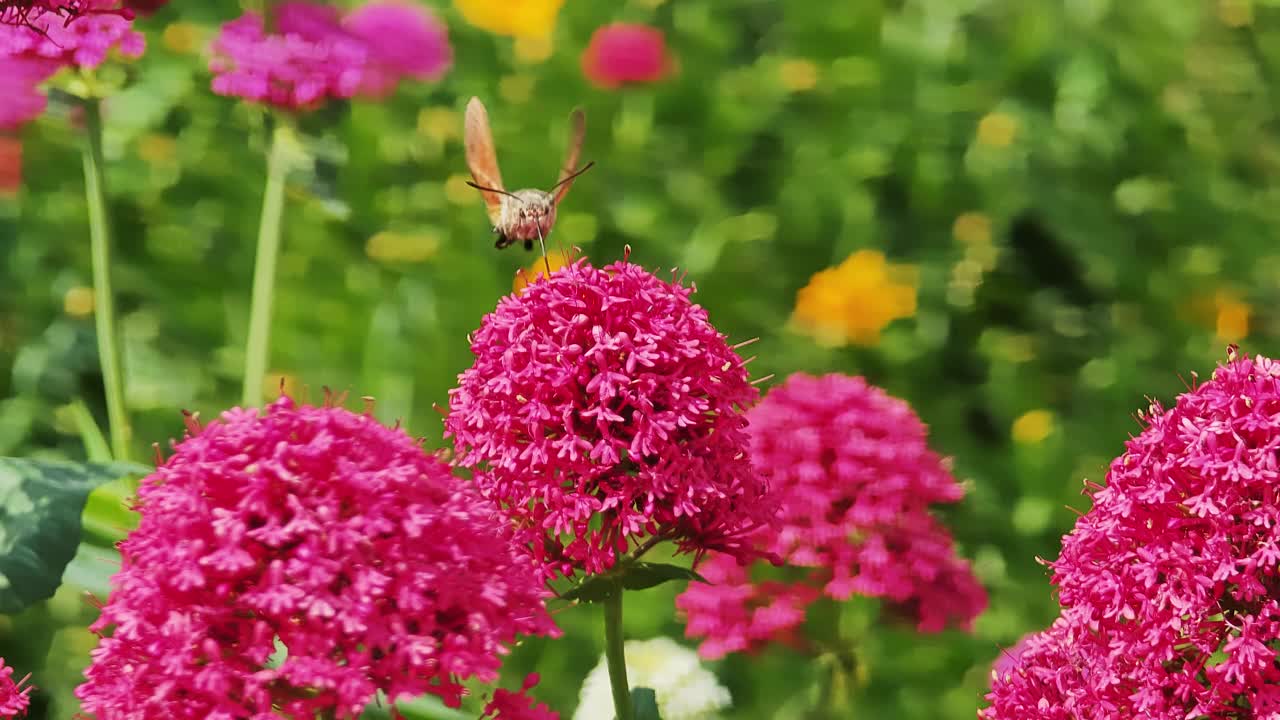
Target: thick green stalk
104, 306
616, 658
258, 347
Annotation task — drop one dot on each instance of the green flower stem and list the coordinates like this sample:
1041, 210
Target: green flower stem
258, 347
104, 306
614, 655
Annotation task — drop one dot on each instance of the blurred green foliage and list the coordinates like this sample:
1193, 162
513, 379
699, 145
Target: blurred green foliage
1087, 190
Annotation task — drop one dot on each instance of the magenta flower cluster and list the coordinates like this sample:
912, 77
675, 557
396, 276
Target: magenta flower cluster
1170, 584
298, 562
603, 409
312, 53
508, 705
15, 697
854, 480
38, 41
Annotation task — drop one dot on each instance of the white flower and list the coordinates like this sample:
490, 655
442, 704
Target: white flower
685, 690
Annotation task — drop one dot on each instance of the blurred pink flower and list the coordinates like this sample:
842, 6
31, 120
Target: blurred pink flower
99, 27
622, 53
603, 408
404, 40
26, 12
508, 705
315, 55
14, 698
853, 479
1170, 584
20, 78
327, 534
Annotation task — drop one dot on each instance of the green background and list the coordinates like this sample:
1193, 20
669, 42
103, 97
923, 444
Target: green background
1135, 182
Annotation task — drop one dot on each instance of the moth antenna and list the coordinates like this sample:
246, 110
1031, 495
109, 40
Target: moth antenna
489, 189
574, 174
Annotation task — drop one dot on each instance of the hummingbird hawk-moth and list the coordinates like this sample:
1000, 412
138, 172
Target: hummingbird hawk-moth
524, 215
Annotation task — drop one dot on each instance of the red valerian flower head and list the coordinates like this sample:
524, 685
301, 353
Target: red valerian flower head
14, 697
853, 479
297, 563
1170, 584
314, 54
625, 53
80, 37
603, 408
507, 705
20, 79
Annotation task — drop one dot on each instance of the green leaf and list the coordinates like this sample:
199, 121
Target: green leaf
643, 575
644, 704
594, 589
40, 506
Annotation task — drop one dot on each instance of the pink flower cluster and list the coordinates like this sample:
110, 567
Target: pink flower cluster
38, 39
14, 698
853, 479
625, 53
297, 563
1170, 584
507, 705
603, 408
313, 54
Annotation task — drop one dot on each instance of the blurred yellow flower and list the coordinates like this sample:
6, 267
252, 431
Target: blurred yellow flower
798, 74
1235, 13
1033, 427
526, 276
515, 18
1232, 322
997, 129
531, 50
439, 124
459, 192
516, 89
854, 301
972, 228
183, 37
78, 301
277, 381
389, 247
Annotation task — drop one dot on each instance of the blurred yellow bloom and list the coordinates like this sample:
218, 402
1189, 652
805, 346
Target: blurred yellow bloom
853, 302
183, 37
516, 89
798, 74
526, 276
1232, 323
1033, 427
515, 18
439, 124
78, 301
389, 247
276, 381
156, 148
972, 228
531, 50
459, 192
997, 129
1235, 13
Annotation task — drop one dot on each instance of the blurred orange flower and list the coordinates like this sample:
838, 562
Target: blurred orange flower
854, 301
526, 276
515, 18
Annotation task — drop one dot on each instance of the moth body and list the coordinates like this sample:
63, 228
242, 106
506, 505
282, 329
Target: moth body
524, 216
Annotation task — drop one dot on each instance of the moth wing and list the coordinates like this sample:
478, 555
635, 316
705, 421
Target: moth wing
482, 159
577, 131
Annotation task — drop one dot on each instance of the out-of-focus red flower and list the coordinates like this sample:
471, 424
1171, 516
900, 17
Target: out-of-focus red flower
625, 53
10, 164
